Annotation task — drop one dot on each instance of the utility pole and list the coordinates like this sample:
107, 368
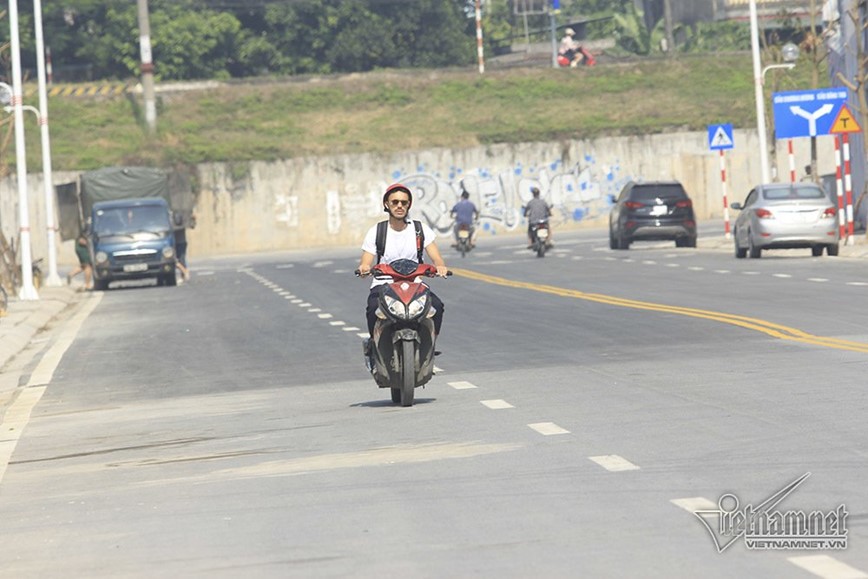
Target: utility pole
53, 279
147, 67
27, 291
667, 21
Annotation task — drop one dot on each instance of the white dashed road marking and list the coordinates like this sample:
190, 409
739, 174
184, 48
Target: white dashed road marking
324, 316
721, 271
497, 404
827, 567
548, 428
362, 334
782, 275
337, 323
694, 504
461, 385
696, 268
614, 463
818, 279
351, 329
858, 283
284, 266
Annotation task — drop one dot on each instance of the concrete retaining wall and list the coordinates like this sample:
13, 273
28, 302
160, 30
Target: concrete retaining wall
332, 201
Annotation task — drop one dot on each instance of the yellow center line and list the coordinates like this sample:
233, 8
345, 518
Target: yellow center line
769, 328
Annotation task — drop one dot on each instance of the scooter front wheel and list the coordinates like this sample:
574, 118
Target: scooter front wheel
408, 372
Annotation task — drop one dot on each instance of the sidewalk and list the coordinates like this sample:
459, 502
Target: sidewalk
24, 319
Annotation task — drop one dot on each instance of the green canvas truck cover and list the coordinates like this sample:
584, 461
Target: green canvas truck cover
114, 183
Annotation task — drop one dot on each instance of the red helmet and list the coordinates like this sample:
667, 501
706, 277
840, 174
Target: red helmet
395, 187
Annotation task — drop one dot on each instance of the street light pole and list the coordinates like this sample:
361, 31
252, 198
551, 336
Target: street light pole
28, 291
53, 279
758, 92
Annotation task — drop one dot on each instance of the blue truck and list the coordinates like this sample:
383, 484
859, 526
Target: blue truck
129, 225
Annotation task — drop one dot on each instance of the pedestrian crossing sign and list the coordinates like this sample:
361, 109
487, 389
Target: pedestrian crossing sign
720, 137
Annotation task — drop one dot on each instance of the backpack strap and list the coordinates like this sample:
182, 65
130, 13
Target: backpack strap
382, 228
420, 240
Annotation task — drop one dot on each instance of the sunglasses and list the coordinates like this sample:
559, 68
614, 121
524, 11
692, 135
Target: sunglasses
402, 202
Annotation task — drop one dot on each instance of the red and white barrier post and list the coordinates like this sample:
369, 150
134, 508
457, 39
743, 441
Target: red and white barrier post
726, 228
479, 38
848, 190
792, 161
839, 187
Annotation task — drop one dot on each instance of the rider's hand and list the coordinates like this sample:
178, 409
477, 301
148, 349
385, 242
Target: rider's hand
364, 270
442, 270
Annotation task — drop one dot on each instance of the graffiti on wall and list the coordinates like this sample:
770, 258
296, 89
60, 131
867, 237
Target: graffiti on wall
576, 194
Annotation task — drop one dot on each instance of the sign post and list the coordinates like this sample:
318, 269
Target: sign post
845, 124
720, 139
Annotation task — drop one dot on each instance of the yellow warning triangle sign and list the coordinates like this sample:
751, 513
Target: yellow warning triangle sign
845, 122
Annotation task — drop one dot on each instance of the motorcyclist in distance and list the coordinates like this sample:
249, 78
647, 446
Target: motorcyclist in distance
465, 213
569, 48
535, 211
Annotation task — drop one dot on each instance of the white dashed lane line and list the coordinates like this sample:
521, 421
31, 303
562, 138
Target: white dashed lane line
857, 283
324, 316
782, 275
284, 266
461, 385
721, 271
818, 279
352, 329
548, 428
337, 323
614, 463
496, 404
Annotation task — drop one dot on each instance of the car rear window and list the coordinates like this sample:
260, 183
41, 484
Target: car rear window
648, 192
795, 192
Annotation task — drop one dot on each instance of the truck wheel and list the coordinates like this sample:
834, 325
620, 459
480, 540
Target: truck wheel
100, 285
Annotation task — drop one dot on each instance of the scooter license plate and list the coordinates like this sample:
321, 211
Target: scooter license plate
542, 233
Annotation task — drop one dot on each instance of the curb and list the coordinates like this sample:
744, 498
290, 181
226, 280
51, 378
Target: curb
25, 319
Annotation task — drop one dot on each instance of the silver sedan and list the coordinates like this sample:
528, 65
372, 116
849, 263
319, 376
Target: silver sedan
786, 216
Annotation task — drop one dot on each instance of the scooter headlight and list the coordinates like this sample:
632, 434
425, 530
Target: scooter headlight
396, 307
417, 306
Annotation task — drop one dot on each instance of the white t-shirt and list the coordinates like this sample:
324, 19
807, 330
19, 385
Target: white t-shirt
399, 244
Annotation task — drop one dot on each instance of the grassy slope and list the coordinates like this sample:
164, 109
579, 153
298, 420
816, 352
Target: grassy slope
394, 110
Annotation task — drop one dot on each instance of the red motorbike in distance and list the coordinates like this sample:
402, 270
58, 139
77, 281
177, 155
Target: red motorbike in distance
581, 56
402, 346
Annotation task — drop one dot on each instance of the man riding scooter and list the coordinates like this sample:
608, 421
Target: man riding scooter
465, 214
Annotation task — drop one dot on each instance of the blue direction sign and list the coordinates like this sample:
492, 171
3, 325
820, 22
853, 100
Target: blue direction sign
806, 113
720, 137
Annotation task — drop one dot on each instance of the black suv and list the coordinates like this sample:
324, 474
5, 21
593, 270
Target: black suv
655, 210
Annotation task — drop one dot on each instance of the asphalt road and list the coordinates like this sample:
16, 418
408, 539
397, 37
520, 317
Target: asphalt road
585, 405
